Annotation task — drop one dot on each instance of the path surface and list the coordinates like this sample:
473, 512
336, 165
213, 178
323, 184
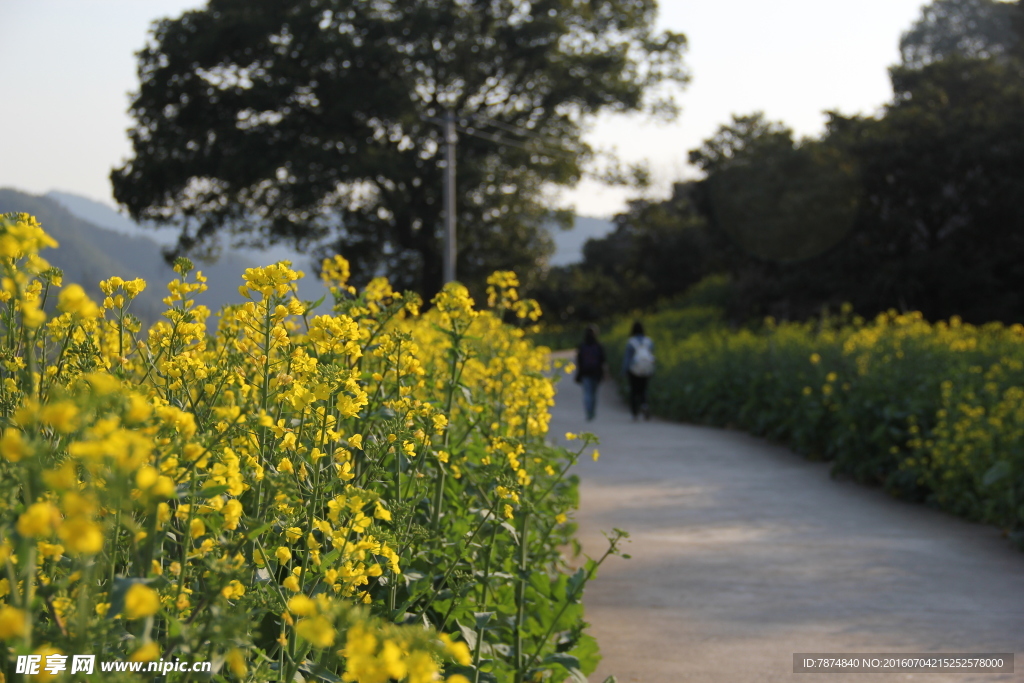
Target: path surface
744, 553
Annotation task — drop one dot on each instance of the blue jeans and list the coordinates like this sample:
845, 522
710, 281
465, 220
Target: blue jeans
590, 396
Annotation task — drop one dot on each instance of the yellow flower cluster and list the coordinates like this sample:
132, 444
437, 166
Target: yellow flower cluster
931, 411
239, 488
392, 654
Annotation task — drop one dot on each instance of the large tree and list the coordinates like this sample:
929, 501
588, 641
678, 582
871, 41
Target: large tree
962, 28
915, 208
314, 121
658, 249
937, 224
777, 200
941, 217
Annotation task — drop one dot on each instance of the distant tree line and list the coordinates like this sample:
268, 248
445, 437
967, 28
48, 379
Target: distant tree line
917, 208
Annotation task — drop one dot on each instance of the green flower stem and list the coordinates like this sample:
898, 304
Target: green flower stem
456, 373
30, 591
518, 653
451, 567
613, 549
186, 537
484, 586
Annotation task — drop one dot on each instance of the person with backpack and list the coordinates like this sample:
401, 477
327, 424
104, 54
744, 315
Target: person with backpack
590, 362
638, 365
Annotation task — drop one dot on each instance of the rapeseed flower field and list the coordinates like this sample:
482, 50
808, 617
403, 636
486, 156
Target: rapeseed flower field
355, 491
931, 411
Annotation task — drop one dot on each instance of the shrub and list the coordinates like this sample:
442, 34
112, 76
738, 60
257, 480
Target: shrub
930, 411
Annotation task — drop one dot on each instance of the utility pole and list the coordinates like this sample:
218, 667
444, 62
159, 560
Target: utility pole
449, 196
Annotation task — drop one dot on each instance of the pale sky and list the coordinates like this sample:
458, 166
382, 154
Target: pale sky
66, 67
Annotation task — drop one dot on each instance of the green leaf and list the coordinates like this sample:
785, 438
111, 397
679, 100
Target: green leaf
315, 304
588, 652
576, 676
512, 530
576, 583
212, 491
319, 673
468, 634
563, 659
174, 628
259, 531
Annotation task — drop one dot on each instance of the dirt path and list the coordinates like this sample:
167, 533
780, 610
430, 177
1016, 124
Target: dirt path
744, 554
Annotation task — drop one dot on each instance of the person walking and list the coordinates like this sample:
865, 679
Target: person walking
590, 362
638, 365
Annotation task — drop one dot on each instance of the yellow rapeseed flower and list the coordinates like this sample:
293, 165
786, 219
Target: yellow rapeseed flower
458, 650
236, 662
146, 653
335, 271
302, 606
39, 519
233, 590
61, 415
12, 445
82, 536
22, 235
74, 300
140, 601
232, 512
13, 623
317, 630
45, 673
381, 512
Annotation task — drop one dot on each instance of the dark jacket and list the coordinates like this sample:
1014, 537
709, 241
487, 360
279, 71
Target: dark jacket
590, 361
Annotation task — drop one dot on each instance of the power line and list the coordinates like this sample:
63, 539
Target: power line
545, 148
490, 137
516, 130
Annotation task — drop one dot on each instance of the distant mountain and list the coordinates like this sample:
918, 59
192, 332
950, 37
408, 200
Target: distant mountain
89, 253
569, 243
98, 242
310, 288
104, 216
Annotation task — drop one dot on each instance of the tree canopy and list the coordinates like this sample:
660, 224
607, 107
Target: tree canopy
915, 208
314, 121
961, 28
774, 198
